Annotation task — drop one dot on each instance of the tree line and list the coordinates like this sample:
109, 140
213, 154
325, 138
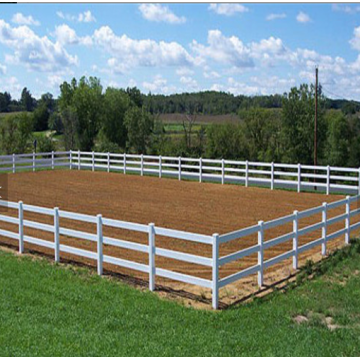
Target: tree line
280, 129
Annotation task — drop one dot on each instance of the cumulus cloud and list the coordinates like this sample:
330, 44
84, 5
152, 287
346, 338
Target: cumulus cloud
355, 41
35, 52
160, 13
21, 19
271, 17
184, 71
228, 9
65, 35
346, 8
141, 52
303, 18
189, 82
85, 17
159, 85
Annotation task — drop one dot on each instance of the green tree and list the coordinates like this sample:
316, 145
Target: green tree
27, 101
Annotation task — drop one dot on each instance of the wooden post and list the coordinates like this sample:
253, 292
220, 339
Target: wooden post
13, 163
160, 166
247, 173
299, 178
99, 245
295, 240
152, 267
200, 170
57, 234
328, 180
21, 228
215, 271
272, 176
142, 165
347, 221
179, 167
324, 229
261, 254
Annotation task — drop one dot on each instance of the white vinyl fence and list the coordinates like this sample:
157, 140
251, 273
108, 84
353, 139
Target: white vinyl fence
151, 249
300, 177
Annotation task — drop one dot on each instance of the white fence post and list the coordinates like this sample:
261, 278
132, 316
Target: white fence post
93, 161
328, 180
222, 171
34, 161
179, 167
299, 178
57, 234
13, 163
21, 227
215, 271
359, 183
99, 245
142, 165
247, 173
124, 161
152, 267
261, 253
347, 221
295, 239
272, 176
52, 160
70, 159
324, 229
108, 162
200, 170
79, 155
160, 166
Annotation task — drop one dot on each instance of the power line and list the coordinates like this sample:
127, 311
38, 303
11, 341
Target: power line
340, 97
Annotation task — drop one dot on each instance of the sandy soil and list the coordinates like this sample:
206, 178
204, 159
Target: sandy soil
202, 208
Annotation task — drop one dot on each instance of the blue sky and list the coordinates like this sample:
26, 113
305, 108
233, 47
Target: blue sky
166, 48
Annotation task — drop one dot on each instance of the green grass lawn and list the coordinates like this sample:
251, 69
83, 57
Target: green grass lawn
52, 310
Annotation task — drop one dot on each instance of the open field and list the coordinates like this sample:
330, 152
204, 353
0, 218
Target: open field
202, 208
57, 310
200, 119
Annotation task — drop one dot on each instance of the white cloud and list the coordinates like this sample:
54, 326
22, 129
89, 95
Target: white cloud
141, 52
158, 86
35, 52
346, 8
85, 17
65, 35
355, 41
190, 83
11, 85
160, 13
184, 71
21, 19
271, 17
303, 18
228, 9
3, 69
226, 50
55, 80
211, 75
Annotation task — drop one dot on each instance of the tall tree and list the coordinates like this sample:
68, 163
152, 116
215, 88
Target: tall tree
27, 101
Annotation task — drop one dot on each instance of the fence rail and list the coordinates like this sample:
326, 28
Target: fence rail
161, 166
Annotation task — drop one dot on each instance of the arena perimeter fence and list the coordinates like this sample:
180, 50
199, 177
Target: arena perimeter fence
73, 159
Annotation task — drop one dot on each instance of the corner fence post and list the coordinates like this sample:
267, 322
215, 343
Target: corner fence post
142, 165
222, 171
99, 245
295, 239
124, 161
160, 166
299, 178
247, 173
179, 167
34, 161
13, 163
324, 229
261, 254
215, 271
152, 267
272, 176
52, 160
347, 220
79, 155
200, 170
57, 234
93, 161
21, 227
108, 162
328, 180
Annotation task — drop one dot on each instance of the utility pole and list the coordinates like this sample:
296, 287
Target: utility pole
315, 125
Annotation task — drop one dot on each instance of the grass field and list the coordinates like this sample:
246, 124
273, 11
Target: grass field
53, 310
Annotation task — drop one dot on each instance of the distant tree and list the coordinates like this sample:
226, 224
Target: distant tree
55, 123
27, 101
70, 122
5, 101
135, 96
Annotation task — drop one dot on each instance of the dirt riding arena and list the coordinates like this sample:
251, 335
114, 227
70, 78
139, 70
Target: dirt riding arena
204, 208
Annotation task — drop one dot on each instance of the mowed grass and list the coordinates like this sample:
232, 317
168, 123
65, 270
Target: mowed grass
52, 310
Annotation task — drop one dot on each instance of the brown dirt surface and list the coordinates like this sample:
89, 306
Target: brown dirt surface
204, 208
